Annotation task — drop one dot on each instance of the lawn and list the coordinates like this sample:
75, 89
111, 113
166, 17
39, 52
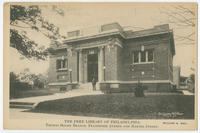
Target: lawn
30, 93
123, 105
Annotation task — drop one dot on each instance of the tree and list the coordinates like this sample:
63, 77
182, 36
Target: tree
182, 18
23, 18
192, 78
35, 80
13, 78
16, 85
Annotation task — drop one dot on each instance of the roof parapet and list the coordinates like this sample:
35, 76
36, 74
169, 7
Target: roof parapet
106, 28
113, 29
163, 26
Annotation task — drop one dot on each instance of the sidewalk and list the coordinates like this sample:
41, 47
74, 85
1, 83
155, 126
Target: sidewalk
24, 114
186, 92
74, 93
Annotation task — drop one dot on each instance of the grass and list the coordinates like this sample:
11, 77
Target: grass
31, 93
124, 105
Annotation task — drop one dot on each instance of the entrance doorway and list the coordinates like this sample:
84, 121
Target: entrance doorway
92, 67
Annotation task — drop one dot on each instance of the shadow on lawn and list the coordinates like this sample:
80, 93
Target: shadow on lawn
125, 106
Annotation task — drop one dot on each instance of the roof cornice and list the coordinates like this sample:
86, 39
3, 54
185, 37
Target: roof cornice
110, 34
94, 36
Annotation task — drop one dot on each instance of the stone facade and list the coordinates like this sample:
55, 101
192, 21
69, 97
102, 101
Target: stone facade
122, 58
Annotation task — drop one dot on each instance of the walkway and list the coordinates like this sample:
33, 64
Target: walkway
31, 102
186, 92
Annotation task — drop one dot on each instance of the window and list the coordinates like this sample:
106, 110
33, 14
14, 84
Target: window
61, 64
143, 56
150, 55
136, 57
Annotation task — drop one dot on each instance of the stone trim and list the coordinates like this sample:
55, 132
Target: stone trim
62, 83
108, 42
114, 32
163, 32
141, 81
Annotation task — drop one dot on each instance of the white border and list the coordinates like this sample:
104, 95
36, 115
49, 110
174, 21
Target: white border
68, 131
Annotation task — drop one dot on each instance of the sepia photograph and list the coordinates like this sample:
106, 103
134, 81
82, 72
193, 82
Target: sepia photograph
98, 66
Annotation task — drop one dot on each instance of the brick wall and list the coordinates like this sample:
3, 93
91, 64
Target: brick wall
170, 57
53, 72
118, 60
159, 70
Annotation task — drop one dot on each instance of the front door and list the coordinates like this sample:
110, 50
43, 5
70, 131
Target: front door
92, 67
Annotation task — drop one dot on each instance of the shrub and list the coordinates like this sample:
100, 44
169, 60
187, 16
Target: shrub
139, 90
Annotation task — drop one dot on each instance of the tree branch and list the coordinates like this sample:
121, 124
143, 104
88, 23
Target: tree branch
19, 26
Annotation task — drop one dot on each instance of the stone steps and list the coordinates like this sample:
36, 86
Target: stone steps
88, 86
22, 105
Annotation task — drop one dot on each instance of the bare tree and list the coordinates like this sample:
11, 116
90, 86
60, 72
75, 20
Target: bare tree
182, 18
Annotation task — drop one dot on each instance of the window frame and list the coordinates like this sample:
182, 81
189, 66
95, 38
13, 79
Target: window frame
140, 56
62, 62
148, 55
145, 59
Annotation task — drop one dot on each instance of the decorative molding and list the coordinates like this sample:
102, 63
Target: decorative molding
101, 47
78, 50
69, 51
117, 32
114, 41
100, 44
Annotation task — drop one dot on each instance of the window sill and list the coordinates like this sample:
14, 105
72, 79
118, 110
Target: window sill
62, 69
143, 63
62, 80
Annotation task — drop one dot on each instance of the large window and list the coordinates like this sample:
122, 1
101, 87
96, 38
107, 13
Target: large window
145, 56
136, 57
61, 64
150, 55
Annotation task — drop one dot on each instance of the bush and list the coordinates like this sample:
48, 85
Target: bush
16, 86
139, 90
38, 84
63, 88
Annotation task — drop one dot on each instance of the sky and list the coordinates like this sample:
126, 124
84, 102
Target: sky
79, 16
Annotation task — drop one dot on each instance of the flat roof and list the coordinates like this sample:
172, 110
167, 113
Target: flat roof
116, 29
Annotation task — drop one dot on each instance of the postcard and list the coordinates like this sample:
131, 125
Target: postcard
100, 66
